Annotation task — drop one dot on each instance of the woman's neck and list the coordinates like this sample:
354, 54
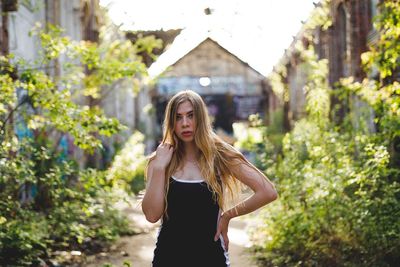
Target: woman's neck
191, 152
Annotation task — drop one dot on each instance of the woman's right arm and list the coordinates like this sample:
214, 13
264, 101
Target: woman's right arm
153, 201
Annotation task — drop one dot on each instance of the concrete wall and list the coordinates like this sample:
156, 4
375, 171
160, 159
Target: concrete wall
22, 22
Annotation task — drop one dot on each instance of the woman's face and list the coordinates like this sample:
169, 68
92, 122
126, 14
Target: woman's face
185, 125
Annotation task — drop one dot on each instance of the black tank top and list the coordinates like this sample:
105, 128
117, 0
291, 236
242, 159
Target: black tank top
186, 237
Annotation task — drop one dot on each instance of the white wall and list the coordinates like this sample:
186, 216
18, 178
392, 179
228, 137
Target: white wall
20, 24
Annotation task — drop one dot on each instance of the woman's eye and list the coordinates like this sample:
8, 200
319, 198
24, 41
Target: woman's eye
190, 116
178, 118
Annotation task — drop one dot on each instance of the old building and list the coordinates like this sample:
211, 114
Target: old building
342, 44
73, 16
80, 20
230, 87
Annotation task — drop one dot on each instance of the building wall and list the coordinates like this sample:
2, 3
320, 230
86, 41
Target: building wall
20, 23
69, 16
210, 60
17, 40
232, 89
342, 44
347, 39
66, 14
273, 104
122, 102
297, 99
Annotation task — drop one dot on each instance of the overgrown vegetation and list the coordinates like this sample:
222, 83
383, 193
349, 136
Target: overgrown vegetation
129, 165
339, 184
47, 203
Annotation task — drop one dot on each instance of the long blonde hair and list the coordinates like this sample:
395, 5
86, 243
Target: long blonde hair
216, 156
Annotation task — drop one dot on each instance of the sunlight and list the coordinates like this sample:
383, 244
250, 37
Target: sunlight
257, 31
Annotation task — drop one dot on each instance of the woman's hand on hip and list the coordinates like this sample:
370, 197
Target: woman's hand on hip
222, 229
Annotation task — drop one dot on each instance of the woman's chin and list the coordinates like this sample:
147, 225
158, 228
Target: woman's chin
188, 139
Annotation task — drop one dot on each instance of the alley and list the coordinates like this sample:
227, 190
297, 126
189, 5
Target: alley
92, 91
138, 249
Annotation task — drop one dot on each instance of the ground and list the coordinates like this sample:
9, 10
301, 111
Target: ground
138, 249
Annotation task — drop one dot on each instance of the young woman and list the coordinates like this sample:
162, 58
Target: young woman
190, 179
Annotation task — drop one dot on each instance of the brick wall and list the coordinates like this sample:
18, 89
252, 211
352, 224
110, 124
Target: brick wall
342, 44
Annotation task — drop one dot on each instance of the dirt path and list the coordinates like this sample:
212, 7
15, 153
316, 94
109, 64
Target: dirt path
138, 249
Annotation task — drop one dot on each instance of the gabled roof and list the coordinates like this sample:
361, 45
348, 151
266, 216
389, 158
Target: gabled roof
184, 44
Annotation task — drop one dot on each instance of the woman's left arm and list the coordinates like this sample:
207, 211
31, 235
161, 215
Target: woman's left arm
264, 193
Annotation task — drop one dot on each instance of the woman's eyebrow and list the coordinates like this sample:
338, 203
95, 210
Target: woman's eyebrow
180, 114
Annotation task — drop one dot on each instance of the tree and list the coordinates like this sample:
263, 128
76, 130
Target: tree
37, 112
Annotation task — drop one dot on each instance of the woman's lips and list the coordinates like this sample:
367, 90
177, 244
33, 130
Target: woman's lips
186, 134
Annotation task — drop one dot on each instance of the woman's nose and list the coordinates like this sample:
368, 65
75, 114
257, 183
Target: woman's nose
184, 121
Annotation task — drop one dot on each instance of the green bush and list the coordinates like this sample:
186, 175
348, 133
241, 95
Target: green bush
77, 216
339, 182
254, 139
334, 209
23, 238
46, 202
129, 164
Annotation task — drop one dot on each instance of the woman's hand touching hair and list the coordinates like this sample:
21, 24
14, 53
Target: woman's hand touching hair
153, 201
163, 155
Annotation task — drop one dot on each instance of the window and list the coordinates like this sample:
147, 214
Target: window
372, 12
374, 7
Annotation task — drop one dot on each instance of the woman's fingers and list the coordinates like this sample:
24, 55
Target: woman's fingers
224, 237
222, 232
217, 234
165, 145
226, 241
164, 154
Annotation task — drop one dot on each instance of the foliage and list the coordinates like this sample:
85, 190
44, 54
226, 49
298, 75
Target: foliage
47, 203
383, 93
385, 54
129, 164
276, 79
339, 184
316, 87
124, 264
334, 209
252, 140
319, 18
80, 215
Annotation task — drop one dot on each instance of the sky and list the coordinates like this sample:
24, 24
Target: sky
257, 31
